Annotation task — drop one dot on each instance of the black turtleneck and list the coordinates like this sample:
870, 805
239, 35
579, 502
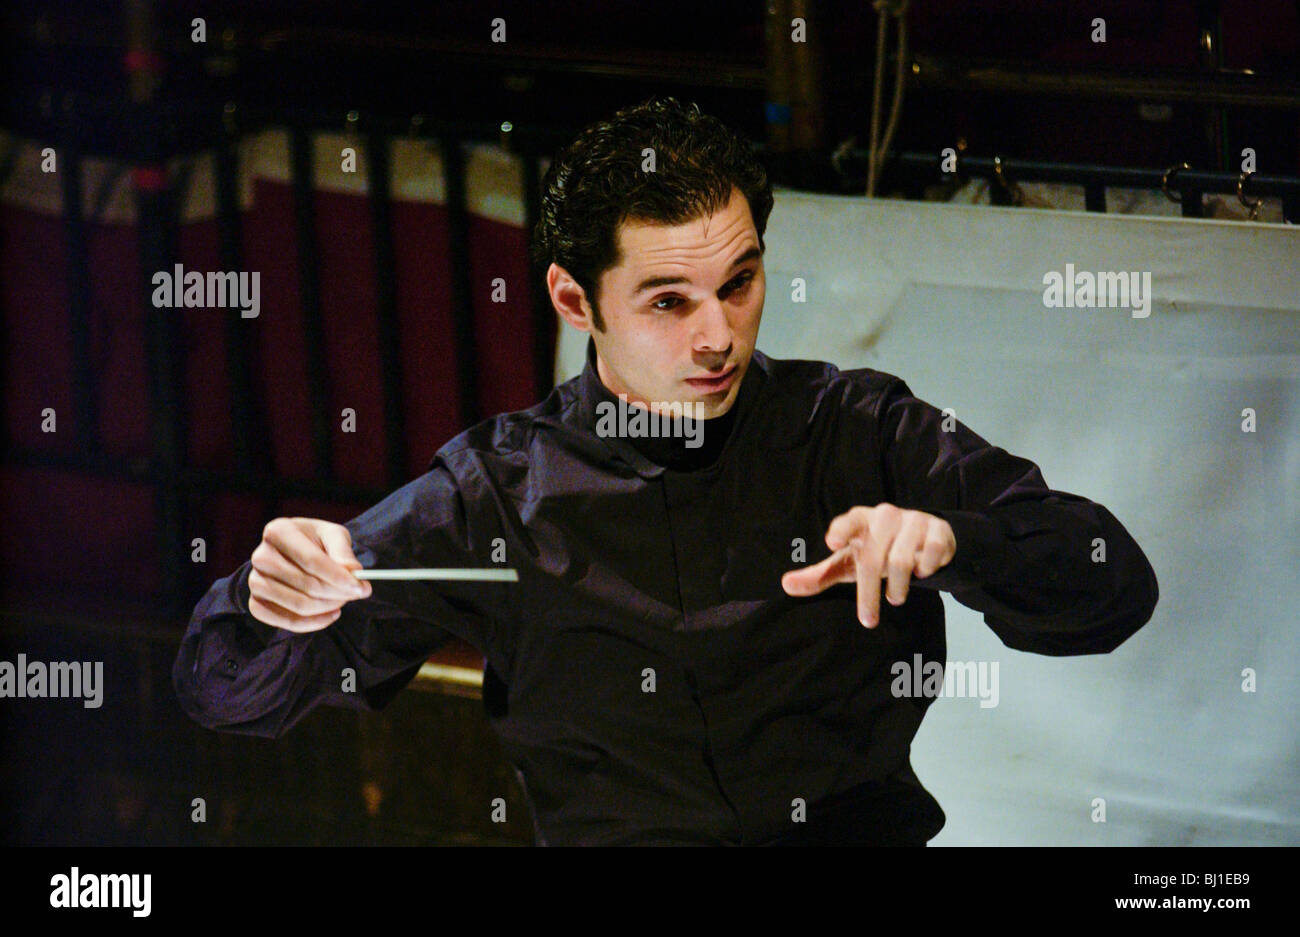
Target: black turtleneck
672, 451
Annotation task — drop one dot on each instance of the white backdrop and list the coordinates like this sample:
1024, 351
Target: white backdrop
1143, 415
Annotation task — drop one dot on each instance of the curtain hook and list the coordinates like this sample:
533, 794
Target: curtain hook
959, 154
842, 152
1012, 189
1169, 175
1241, 197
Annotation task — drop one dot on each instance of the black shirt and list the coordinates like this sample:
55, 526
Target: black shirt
647, 675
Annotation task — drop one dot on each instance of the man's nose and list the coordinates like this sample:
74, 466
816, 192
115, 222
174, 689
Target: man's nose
712, 330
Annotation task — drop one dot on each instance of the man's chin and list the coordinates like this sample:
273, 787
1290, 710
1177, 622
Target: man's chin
711, 406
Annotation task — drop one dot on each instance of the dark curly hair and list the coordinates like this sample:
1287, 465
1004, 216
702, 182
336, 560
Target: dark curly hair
596, 183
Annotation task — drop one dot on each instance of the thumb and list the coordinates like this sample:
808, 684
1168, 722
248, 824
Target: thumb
337, 542
799, 581
838, 567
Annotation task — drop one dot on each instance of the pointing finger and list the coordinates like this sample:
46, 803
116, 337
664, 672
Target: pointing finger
871, 561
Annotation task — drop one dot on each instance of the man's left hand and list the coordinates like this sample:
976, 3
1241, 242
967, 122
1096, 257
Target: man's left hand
874, 543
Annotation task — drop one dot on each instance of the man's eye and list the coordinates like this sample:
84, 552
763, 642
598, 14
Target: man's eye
740, 283
737, 284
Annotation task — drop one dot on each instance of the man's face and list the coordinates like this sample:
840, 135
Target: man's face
685, 303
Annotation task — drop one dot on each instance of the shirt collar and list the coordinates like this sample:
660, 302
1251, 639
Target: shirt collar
592, 391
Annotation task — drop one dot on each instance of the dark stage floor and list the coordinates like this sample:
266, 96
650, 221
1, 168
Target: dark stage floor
422, 772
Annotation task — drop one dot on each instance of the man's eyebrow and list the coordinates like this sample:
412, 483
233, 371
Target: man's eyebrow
652, 282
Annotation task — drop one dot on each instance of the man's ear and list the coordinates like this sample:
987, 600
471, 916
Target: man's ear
568, 298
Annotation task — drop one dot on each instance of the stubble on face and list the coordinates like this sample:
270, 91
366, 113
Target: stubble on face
658, 337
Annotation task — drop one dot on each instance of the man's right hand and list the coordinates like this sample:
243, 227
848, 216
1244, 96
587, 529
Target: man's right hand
301, 576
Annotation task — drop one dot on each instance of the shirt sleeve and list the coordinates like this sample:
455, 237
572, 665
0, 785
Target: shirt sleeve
1028, 557
238, 674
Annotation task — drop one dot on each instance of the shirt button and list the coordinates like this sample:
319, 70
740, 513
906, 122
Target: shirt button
231, 665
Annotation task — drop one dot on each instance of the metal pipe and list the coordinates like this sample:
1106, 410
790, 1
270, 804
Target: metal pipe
390, 359
302, 161
453, 162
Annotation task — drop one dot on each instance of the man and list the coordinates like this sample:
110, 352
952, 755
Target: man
696, 650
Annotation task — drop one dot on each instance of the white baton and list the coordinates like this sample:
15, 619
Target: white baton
483, 575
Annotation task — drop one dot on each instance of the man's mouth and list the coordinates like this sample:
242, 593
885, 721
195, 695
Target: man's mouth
716, 384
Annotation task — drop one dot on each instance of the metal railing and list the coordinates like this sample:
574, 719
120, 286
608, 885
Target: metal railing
912, 171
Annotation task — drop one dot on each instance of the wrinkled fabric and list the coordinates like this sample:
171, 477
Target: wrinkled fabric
647, 675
